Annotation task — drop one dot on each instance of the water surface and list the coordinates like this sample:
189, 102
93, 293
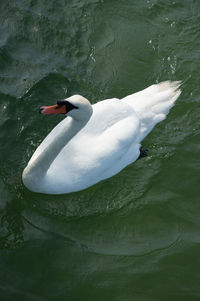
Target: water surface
136, 235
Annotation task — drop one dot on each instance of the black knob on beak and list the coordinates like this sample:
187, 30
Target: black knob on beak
40, 110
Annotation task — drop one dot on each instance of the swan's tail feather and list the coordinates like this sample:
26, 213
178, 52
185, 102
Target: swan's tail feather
153, 103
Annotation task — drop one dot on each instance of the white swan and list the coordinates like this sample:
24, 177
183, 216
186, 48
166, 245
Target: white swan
96, 141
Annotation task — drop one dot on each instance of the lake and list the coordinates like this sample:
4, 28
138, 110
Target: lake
135, 236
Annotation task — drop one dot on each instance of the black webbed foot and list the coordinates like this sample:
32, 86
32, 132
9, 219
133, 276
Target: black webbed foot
143, 152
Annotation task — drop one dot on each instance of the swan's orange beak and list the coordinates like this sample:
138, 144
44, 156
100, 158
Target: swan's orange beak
56, 109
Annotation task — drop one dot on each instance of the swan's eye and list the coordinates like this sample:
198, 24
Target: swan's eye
61, 102
69, 106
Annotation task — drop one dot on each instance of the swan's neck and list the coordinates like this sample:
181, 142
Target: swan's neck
34, 173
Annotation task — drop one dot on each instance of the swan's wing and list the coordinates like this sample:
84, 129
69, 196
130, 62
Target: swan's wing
100, 149
153, 103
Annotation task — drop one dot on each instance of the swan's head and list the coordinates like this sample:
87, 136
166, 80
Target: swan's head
76, 106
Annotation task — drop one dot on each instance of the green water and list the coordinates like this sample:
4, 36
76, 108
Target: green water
135, 236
